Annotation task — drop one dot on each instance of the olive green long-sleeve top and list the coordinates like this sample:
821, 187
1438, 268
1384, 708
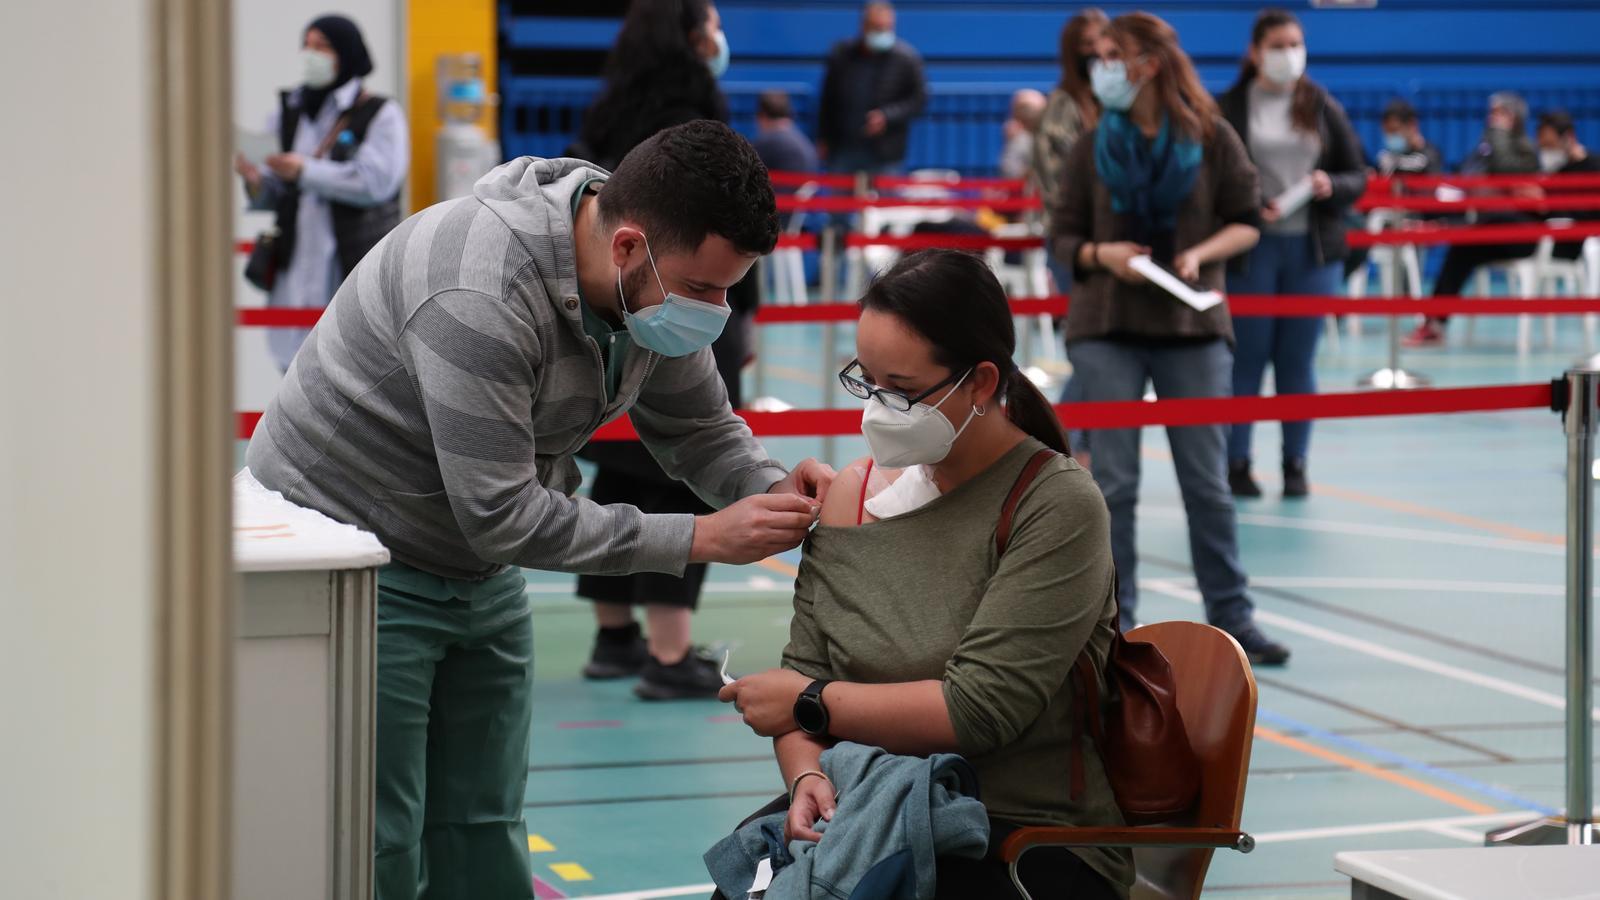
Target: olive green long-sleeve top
923, 596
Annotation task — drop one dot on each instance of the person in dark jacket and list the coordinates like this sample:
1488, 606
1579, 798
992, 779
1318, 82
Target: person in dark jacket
1405, 150
871, 90
662, 72
778, 142
1298, 136
1560, 153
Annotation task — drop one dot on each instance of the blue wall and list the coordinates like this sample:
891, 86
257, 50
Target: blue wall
1445, 56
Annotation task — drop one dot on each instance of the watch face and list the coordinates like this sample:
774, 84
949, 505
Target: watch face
809, 716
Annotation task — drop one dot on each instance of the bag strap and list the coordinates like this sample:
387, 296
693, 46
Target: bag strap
1002, 532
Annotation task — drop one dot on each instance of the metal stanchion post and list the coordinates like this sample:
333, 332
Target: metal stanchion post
1393, 377
828, 265
1578, 399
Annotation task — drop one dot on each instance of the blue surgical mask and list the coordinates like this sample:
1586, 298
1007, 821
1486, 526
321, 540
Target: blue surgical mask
679, 326
719, 63
1396, 143
1109, 81
880, 40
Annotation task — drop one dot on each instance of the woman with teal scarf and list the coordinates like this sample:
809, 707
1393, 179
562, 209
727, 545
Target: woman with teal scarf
1162, 176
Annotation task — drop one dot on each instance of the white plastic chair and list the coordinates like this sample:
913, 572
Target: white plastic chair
1574, 278
788, 265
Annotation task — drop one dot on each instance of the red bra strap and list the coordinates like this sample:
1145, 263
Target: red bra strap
861, 510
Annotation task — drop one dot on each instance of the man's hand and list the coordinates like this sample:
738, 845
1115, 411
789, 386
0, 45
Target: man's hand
753, 529
814, 799
877, 122
287, 166
1321, 185
766, 700
1115, 257
809, 479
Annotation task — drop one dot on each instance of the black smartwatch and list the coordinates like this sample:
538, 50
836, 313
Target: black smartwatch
810, 713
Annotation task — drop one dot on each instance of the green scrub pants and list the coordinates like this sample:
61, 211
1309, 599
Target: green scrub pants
455, 674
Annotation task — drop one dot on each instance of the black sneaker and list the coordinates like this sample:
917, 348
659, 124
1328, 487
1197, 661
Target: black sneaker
1294, 479
618, 653
695, 677
1260, 649
1240, 481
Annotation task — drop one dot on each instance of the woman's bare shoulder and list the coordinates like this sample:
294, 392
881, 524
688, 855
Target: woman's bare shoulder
843, 503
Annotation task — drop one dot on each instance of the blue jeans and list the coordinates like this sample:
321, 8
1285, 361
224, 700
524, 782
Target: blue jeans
1077, 438
1117, 370
1280, 264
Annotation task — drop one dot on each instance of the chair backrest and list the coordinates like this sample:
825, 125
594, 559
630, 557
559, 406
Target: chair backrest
1217, 698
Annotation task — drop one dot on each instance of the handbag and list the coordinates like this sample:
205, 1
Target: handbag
1136, 726
261, 269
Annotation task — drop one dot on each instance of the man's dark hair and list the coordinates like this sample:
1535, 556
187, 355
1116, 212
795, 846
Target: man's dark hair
774, 105
1558, 120
692, 180
1400, 111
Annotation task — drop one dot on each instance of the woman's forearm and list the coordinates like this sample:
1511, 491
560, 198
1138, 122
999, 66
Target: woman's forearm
909, 718
1228, 242
797, 752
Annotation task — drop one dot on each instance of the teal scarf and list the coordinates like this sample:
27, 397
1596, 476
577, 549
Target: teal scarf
1148, 179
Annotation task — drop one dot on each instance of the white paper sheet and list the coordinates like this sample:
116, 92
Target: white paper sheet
1295, 196
255, 146
726, 678
1172, 284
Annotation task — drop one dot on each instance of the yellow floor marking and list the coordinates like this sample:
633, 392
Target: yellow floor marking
779, 566
537, 844
1357, 765
571, 872
1438, 515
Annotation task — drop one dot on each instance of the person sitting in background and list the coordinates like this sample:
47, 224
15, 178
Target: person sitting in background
1504, 150
911, 631
1162, 176
1405, 151
778, 142
1016, 153
1560, 153
872, 88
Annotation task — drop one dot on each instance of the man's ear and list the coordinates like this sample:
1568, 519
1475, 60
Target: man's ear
625, 241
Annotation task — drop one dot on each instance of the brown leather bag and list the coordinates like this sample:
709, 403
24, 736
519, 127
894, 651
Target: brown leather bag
1153, 770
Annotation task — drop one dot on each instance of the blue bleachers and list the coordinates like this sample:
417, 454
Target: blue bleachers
1445, 56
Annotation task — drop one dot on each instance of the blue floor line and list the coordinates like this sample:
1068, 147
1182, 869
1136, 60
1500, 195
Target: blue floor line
1455, 778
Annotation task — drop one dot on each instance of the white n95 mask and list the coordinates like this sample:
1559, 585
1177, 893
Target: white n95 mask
1284, 66
918, 436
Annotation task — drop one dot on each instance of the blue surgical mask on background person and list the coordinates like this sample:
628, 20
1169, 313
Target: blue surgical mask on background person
719, 63
679, 325
1109, 81
880, 40
1396, 143
318, 69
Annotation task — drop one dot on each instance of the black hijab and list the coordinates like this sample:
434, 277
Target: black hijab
351, 50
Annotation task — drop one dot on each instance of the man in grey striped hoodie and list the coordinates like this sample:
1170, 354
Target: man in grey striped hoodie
438, 404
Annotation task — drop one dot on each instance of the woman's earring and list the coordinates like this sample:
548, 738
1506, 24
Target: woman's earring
979, 410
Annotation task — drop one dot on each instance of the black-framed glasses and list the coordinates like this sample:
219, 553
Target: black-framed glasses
893, 399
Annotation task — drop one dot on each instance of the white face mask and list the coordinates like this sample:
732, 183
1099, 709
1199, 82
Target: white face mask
1284, 66
918, 436
318, 69
1552, 159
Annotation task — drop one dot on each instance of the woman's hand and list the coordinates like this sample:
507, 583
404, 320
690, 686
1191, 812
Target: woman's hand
248, 171
286, 166
814, 799
1269, 212
1321, 185
1187, 265
767, 700
1115, 256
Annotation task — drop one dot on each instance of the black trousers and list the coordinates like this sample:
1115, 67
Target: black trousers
1049, 873
1464, 259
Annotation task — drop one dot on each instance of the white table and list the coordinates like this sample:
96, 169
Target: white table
1474, 873
305, 659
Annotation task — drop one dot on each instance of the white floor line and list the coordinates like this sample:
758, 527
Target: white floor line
1337, 831
1457, 834
1362, 529
1412, 584
687, 890
1380, 651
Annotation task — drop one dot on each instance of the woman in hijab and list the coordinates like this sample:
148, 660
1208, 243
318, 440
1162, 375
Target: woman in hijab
334, 185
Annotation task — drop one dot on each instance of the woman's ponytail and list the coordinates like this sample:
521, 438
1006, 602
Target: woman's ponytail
1028, 409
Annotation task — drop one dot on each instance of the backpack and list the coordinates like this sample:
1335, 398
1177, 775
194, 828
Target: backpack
1136, 726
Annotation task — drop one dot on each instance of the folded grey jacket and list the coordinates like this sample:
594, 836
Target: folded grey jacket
894, 815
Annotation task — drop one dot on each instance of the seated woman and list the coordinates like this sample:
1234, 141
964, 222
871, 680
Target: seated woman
927, 640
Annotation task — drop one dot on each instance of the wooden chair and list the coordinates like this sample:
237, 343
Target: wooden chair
1217, 697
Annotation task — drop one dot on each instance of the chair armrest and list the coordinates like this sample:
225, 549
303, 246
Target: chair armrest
1026, 839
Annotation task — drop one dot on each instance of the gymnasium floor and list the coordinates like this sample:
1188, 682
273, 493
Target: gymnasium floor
1420, 588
